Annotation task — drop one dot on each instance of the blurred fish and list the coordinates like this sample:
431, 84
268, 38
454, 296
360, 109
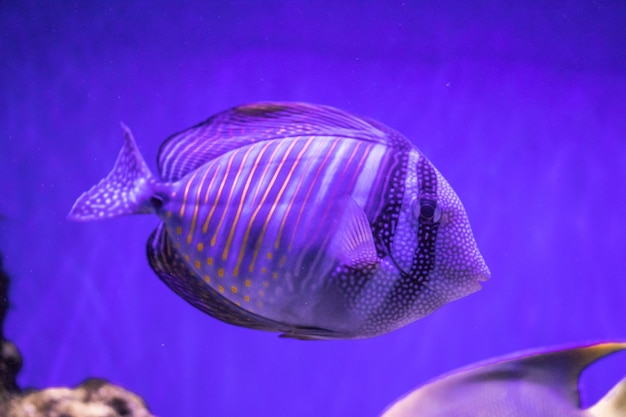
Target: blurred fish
297, 218
530, 385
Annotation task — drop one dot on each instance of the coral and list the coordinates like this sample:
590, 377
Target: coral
10, 365
10, 358
93, 398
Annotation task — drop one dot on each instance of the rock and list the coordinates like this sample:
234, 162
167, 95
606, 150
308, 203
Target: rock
93, 398
10, 365
4, 296
10, 358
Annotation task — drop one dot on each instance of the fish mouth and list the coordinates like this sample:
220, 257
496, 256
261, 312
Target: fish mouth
480, 276
481, 270
478, 279
483, 276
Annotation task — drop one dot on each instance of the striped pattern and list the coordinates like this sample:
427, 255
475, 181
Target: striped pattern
259, 218
413, 282
174, 271
185, 151
297, 218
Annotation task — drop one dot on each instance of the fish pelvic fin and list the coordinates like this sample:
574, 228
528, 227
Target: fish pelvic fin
126, 190
612, 404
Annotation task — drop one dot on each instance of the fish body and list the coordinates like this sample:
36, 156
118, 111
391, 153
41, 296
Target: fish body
297, 218
525, 385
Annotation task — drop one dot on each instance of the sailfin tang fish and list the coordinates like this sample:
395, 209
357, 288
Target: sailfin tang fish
528, 385
297, 218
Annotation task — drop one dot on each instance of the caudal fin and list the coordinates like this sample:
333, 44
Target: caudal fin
124, 191
613, 404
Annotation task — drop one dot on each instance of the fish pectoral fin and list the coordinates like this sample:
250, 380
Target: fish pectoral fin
353, 242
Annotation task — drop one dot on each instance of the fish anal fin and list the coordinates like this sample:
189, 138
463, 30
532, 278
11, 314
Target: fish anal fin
311, 333
353, 242
173, 271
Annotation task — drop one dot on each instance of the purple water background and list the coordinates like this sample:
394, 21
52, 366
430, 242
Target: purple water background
521, 106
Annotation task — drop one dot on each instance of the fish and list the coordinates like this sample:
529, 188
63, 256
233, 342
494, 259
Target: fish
297, 218
531, 384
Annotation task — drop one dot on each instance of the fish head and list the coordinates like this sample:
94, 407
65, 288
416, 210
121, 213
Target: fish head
454, 266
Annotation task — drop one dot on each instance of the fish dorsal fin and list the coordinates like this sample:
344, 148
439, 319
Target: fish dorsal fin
521, 384
353, 242
557, 371
183, 152
612, 404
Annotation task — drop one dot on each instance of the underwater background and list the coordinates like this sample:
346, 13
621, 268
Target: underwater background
521, 106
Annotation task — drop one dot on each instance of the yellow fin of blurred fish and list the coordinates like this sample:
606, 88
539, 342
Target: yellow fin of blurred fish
528, 385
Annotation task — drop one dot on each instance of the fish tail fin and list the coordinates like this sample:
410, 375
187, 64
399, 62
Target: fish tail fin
612, 404
126, 190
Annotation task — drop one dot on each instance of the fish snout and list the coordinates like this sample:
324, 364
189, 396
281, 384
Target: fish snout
482, 270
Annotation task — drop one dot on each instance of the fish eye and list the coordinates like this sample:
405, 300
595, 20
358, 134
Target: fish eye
429, 211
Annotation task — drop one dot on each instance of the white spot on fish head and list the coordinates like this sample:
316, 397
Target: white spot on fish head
459, 266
